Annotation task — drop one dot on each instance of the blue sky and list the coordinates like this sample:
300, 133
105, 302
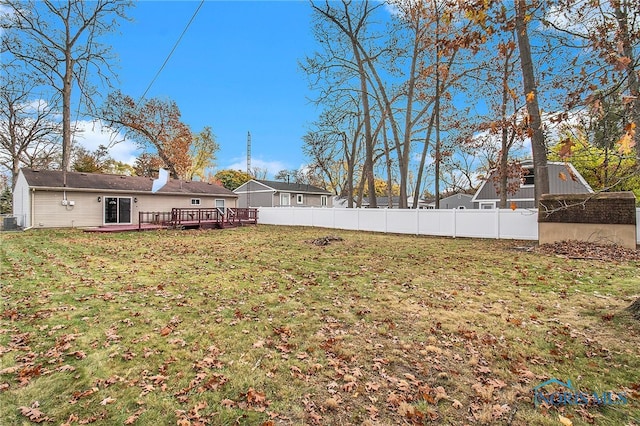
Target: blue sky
236, 70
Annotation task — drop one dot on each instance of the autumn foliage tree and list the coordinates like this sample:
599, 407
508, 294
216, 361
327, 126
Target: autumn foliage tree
231, 179
157, 124
147, 165
203, 154
609, 32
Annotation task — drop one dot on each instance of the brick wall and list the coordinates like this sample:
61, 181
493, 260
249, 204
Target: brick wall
616, 208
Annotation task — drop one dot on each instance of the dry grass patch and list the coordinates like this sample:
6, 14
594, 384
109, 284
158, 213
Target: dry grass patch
259, 325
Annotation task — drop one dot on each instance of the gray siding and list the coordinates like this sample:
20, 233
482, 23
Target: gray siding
526, 194
457, 201
256, 199
262, 195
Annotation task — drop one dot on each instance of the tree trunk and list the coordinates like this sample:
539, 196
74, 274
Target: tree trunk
504, 153
423, 159
436, 108
538, 146
368, 138
66, 115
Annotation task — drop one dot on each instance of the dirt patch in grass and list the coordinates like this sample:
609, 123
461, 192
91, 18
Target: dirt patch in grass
258, 326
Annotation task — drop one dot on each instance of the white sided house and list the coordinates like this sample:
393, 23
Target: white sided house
269, 193
55, 199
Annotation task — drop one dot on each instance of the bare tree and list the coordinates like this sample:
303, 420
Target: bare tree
351, 19
29, 133
61, 42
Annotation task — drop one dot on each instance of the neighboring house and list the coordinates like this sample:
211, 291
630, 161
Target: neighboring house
487, 196
341, 202
383, 202
52, 198
269, 193
456, 201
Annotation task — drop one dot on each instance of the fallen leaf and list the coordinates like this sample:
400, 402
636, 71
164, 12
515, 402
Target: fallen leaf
331, 404
565, 421
34, 414
406, 409
440, 394
107, 400
227, 403
132, 418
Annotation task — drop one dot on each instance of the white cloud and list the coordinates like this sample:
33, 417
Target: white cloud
272, 167
92, 134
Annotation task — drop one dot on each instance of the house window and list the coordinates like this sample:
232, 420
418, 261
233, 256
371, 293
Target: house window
195, 201
220, 205
323, 200
285, 199
299, 199
527, 178
487, 206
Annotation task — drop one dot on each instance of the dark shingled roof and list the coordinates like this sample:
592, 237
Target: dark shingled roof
77, 180
293, 187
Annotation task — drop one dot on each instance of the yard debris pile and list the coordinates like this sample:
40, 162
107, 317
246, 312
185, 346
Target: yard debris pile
323, 241
590, 251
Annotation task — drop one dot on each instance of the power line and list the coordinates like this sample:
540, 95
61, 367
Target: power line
172, 50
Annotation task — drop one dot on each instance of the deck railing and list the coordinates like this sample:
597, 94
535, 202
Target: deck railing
182, 216
154, 218
179, 217
244, 214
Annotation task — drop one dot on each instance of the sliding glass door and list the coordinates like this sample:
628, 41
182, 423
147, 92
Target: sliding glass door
117, 210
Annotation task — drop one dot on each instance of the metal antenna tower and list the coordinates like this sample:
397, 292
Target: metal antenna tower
248, 167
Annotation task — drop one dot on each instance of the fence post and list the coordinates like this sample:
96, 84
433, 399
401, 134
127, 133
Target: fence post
455, 221
498, 224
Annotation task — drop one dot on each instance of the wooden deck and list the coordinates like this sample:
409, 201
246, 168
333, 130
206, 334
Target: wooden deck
190, 218
126, 228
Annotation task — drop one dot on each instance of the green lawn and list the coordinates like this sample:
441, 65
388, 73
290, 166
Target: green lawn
257, 325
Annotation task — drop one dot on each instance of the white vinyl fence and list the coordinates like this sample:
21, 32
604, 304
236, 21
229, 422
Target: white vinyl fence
520, 224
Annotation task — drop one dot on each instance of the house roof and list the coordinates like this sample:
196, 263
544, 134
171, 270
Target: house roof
54, 179
395, 200
457, 197
293, 187
489, 192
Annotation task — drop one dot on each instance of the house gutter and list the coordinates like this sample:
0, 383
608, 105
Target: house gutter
124, 191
